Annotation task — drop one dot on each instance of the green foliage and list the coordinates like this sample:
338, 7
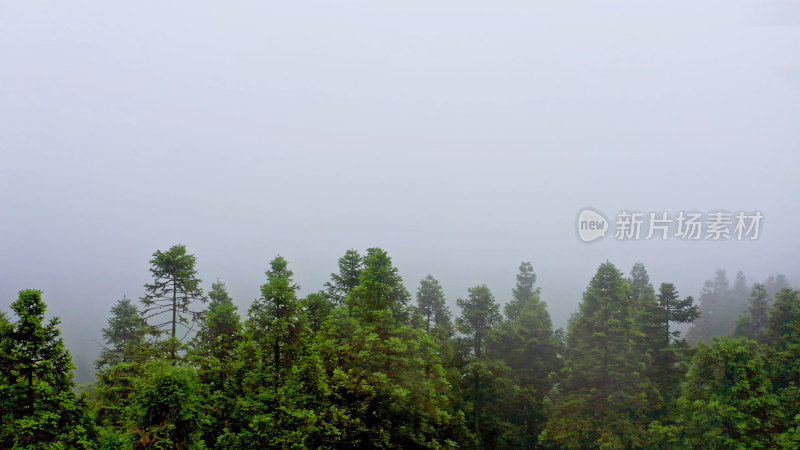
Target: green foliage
38, 408
220, 319
348, 278
752, 323
175, 287
525, 350
784, 320
116, 385
380, 290
125, 336
389, 381
523, 291
357, 367
603, 398
479, 314
273, 321
314, 309
726, 400
783, 339
433, 307
168, 408
669, 352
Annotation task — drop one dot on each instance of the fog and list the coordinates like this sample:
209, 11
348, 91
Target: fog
462, 137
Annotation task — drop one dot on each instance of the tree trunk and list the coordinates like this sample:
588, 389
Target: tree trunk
174, 315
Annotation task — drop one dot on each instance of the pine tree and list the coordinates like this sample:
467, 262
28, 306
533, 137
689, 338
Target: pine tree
274, 317
175, 287
648, 317
214, 354
38, 408
168, 408
433, 306
783, 339
380, 294
124, 337
315, 309
604, 398
775, 284
529, 347
718, 313
752, 323
385, 380
342, 283
726, 400
523, 291
479, 315
669, 352
220, 317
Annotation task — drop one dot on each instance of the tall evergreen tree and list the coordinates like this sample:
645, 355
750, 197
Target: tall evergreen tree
221, 317
752, 323
215, 356
718, 312
124, 336
479, 315
726, 400
676, 310
604, 398
648, 317
388, 386
529, 347
315, 309
175, 287
342, 283
38, 408
669, 352
783, 339
432, 305
273, 317
523, 291
775, 284
641, 288
380, 290
168, 408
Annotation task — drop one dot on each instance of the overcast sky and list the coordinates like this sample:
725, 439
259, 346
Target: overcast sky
462, 137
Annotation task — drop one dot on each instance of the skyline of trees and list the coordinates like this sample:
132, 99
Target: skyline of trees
359, 362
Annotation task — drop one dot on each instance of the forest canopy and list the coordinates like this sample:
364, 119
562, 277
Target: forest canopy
367, 362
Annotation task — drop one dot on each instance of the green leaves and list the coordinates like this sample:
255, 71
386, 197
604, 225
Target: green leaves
175, 287
357, 366
37, 405
603, 398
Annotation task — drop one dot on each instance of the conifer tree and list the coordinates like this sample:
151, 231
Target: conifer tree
604, 398
783, 339
523, 291
726, 400
38, 408
433, 306
380, 294
479, 315
529, 347
342, 283
752, 323
124, 336
175, 287
273, 317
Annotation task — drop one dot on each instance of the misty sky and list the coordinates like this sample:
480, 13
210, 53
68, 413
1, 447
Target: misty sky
462, 137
